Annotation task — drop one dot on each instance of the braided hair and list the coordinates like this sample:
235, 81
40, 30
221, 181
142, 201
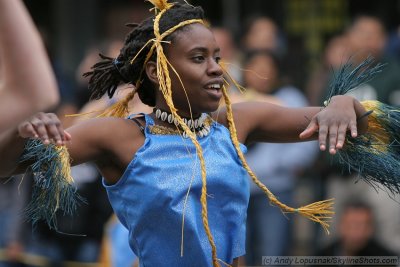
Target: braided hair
107, 74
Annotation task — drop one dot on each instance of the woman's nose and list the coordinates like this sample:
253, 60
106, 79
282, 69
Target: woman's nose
214, 69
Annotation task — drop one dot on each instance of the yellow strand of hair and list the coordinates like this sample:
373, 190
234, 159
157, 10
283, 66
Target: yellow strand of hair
119, 109
161, 4
320, 212
242, 89
165, 87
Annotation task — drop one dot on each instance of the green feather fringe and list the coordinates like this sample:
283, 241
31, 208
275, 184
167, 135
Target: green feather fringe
348, 77
53, 188
375, 155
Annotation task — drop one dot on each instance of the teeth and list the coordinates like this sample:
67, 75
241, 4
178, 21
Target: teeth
214, 86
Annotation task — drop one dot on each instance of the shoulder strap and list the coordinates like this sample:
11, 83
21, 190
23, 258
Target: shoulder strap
141, 127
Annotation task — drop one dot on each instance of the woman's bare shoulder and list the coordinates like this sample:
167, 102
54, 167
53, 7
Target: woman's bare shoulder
118, 137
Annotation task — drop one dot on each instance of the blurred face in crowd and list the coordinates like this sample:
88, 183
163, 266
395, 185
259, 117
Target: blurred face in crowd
337, 52
367, 36
356, 228
261, 74
225, 41
262, 34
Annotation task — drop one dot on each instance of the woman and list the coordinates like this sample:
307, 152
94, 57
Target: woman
152, 173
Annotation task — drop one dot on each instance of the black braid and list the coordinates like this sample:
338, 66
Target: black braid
105, 76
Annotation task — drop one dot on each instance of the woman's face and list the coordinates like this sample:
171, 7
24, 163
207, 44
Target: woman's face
194, 54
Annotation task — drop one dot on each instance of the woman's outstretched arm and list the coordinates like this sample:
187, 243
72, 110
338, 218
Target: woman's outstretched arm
264, 122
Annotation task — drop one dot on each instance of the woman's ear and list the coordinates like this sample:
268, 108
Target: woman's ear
151, 71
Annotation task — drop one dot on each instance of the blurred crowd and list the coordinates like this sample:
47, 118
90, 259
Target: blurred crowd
367, 220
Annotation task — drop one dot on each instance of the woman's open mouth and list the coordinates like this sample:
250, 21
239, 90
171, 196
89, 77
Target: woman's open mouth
214, 90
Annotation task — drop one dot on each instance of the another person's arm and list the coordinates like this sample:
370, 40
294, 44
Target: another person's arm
27, 82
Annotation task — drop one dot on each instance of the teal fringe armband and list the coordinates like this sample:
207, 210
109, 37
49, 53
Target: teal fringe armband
375, 155
53, 188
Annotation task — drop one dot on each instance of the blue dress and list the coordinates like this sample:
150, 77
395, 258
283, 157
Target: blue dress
149, 199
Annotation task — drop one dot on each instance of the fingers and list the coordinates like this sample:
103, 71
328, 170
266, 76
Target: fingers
323, 133
353, 128
336, 135
54, 129
39, 124
26, 130
341, 136
46, 127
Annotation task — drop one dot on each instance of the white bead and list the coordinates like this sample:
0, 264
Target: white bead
205, 132
185, 121
184, 134
196, 123
158, 113
200, 134
170, 118
202, 119
176, 122
189, 123
164, 116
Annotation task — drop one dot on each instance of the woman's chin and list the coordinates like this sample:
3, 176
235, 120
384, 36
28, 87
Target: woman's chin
211, 108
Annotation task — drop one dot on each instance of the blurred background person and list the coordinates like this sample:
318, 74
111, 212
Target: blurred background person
336, 53
262, 33
356, 232
367, 36
392, 49
230, 53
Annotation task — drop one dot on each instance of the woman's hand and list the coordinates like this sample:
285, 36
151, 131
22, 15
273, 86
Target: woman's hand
334, 121
46, 127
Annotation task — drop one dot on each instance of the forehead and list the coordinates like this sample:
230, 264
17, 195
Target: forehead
192, 36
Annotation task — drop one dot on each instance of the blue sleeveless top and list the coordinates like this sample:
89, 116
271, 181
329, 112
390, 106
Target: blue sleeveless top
149, 199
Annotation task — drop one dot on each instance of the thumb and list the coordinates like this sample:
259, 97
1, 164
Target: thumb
26, 130
310, 130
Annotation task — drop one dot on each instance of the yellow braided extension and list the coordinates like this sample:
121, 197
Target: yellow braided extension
320, 211
161, 4
165, 87
119, 109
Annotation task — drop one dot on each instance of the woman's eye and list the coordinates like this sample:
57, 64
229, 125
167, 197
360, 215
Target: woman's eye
198, 58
